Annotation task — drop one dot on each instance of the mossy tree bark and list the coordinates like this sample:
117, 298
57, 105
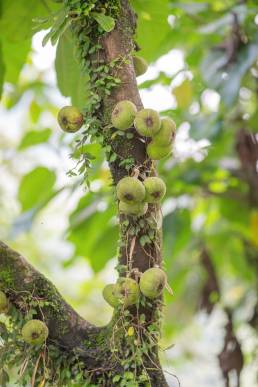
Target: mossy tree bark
68, 330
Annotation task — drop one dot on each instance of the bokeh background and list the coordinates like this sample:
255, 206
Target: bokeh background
204, 74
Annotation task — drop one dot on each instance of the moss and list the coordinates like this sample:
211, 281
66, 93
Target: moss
6, 279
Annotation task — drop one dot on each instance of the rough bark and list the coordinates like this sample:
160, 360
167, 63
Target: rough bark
21, 282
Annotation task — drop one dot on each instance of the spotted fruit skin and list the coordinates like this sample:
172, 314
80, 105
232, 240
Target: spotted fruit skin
135, 209
152, 282
130, 190
155, 189
140, 65
166, 134
127, 291
4, 304
70, 119
147, 122
123, 115
109, 295
156, 152
35, 332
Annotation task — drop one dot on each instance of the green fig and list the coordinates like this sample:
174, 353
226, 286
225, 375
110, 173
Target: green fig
127, 291
155, 189
70, 119
130, 190
123, 115
156, 152
4, 304
134, 209
109, 296
147, 122
35, 332
140, 65
152, 282
166, 134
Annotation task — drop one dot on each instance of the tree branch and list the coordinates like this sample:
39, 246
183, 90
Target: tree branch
21, 282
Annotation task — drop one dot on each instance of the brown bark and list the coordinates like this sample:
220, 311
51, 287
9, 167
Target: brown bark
22, 284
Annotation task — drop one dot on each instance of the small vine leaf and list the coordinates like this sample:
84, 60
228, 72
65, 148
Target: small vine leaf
106, 22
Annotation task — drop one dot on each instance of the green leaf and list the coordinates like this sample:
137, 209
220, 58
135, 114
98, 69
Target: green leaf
154, 34
16, 23
71, 81
35, 187
14, 57
34, 137
106, 22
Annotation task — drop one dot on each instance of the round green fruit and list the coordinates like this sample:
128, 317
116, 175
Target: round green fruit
4, 304
140, 65
156, 152
35, 332
70, 119
134, 209
130, 190
152, 282
127, 291
155, 189
108, 295
147, 122
166, 134
123, 115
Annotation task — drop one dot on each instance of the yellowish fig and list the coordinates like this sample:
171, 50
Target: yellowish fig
156, 152
127, 291
70, 119
35, 332
109, 296
140, 65
166, 134
130, 190
155, 189
152, 282
147, 122
123, 115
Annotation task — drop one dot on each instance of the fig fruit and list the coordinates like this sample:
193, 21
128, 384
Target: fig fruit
156, 152
35, 332
147, 122
155, 189
152, 282
130, 190
108, 295
123, 115
70, 119
166, 134
140, 65
127, 291
4, 304
134, 209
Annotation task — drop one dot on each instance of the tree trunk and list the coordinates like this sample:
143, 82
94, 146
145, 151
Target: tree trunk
68, 331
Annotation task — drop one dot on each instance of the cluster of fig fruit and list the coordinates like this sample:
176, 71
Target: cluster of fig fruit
126, 291
135, 195
148, 124
34, 332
